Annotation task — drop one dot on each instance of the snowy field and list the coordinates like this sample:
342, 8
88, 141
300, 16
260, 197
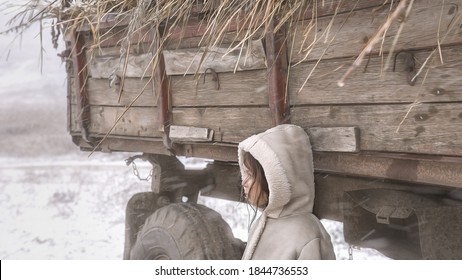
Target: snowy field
56, 202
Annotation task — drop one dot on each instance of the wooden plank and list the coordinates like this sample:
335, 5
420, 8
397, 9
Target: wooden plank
422, 171
141, 122
330, 7
278, 95
180, 62
181, 134
338, 139
355, 29
426, 128
236, 89
231, 125
186, 91
80, 90
135, 49
115, 34
102, 93
442, 84
138, 65
70, 96
162, 89
220, 59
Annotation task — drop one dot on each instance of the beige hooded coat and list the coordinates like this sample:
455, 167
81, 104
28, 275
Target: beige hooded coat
287, 228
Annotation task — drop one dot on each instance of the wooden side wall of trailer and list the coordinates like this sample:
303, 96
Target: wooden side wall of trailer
398, 122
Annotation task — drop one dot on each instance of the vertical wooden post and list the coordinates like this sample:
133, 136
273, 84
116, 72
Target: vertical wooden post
276, 56
162, 89
80, 73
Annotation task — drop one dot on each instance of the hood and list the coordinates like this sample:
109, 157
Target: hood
285, 154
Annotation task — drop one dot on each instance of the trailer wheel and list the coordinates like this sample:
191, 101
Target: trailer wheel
186, 231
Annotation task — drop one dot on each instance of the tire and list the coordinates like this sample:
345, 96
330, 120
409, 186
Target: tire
184, 231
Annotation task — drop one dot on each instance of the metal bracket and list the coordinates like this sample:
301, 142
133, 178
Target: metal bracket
384, 214
409, 61
215, 77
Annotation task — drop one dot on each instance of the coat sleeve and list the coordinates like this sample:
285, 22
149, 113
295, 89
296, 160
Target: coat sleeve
311, 251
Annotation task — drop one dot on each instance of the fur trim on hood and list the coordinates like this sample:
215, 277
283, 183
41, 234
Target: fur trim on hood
285, 154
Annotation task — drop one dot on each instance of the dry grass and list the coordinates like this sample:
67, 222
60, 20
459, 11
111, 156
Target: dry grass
248, 18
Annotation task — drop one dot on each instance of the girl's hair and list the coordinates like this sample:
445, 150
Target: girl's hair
257, 173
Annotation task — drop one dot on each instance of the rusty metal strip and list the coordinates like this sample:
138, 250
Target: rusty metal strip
276, 56
80, 73
162, 89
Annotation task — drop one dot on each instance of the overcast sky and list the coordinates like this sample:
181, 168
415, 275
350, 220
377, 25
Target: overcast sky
20, 56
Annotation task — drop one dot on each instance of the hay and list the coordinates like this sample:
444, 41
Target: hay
249, 18
217, 16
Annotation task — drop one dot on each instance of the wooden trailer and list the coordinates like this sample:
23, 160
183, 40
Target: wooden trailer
376, 84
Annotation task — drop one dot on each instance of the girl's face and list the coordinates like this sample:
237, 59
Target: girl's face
253, 191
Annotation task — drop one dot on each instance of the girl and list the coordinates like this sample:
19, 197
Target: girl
278, 177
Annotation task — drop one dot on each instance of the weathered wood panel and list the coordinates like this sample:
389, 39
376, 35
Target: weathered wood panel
179, 62
135, 49
236, 89
137, 65
229, 124
425, 128
442, 84
369, 85
239, 89
349, 33
338, 139
184, 134
434, 171
136, 121
191, 61
102, 93
442, 171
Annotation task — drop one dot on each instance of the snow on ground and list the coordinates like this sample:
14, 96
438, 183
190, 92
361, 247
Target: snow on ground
72, 207
56, 202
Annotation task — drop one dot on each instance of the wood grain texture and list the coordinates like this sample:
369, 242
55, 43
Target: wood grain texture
334, 139
441, 84
425, 129
236, 89
178, 61
436, 83
102, 93
416, 170
186, 91
220, 59
181, 134
138, 65
349, 32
